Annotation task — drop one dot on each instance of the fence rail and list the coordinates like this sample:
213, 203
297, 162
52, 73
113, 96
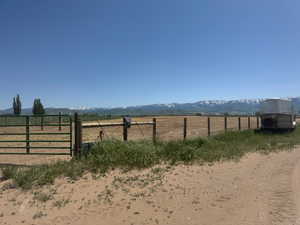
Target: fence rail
63, 122
31, 136
79, 127
185, 126
95, 125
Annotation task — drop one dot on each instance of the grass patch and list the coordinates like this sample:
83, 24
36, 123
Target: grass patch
108, 155
38, 215
61, 203
41, 196
43, 174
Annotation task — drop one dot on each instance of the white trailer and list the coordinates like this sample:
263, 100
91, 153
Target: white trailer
277, 114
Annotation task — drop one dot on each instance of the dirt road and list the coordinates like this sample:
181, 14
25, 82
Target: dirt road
257, 190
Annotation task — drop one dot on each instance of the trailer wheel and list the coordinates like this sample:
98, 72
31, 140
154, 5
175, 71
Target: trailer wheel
292, 129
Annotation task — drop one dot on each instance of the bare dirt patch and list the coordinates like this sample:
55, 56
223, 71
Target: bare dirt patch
259, 189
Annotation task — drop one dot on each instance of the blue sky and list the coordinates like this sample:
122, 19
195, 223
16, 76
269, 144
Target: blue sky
107, 53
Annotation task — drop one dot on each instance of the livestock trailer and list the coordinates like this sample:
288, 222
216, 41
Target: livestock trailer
277, 114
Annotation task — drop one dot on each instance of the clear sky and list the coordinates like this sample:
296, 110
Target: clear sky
107, 53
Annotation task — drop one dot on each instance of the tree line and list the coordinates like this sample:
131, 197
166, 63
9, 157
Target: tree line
37, 108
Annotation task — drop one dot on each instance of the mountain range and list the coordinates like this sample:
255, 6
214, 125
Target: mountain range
242, 106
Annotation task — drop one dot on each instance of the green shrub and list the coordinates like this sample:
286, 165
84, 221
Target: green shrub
8, 172
126, 155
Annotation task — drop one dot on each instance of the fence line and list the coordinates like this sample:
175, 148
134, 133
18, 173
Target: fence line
185, 127
77, 127
31, 136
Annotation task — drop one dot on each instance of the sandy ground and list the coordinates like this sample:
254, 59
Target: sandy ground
257, 190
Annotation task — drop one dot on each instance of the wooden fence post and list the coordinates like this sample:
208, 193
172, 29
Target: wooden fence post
208, 126
240, 125
154, 130
42, 123
59, 121
101, 135
225, 123
184, 128
249, 123
27, 135
71, 136
78, 136
75, 152
125, 130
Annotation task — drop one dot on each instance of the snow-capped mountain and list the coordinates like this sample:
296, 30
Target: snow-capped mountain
242, 106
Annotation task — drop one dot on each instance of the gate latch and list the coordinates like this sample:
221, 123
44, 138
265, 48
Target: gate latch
127, 121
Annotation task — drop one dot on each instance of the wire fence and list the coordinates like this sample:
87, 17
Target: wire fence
167, 127
46, 132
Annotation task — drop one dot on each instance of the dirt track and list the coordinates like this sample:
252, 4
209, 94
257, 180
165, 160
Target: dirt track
258, 190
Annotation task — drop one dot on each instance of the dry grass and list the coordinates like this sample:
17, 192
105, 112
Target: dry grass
168, 128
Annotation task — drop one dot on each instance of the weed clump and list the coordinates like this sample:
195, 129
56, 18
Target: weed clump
111, 154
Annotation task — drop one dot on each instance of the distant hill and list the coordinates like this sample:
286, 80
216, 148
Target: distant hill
243, 106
